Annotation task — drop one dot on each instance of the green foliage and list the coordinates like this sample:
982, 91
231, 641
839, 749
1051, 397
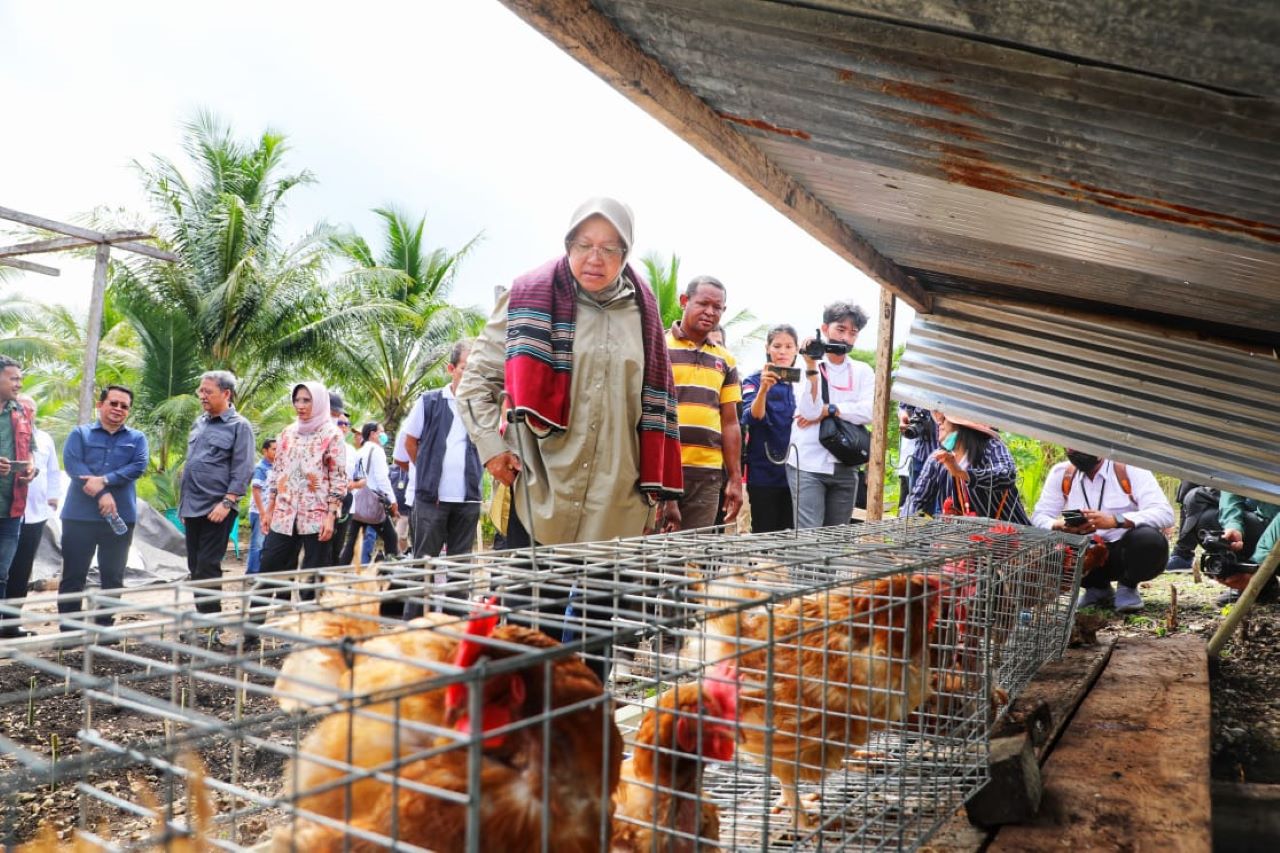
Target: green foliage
1034, 458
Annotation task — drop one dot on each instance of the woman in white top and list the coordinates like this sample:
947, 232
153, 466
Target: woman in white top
823, 490
371, 468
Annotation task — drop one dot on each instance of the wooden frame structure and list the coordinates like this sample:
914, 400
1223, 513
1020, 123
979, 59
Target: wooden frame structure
76, 237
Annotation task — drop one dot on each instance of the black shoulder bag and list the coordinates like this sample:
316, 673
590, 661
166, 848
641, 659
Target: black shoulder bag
849, 443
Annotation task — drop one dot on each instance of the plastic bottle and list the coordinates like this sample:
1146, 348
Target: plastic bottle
118, 526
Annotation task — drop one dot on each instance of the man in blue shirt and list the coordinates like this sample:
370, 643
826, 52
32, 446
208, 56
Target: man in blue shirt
258, 505
103, 460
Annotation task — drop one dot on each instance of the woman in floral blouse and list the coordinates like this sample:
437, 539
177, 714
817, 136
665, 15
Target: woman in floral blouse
306, 485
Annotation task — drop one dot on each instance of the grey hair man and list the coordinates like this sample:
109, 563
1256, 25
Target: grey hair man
220, 458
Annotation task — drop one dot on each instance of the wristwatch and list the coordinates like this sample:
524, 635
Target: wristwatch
811, 373
832, 411
1121, 521
228, 503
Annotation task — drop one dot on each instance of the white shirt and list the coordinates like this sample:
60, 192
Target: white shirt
1103, 492
376, 473
859, 382
47, 484
453, 474
400, 454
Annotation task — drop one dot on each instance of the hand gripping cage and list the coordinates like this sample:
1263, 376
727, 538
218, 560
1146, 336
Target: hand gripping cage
819, 689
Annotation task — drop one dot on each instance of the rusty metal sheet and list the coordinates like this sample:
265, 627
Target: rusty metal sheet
1193, 409
972, 140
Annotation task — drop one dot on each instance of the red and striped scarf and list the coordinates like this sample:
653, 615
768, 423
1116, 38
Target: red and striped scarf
541, 318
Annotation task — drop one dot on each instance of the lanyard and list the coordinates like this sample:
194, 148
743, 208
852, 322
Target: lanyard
1085, 495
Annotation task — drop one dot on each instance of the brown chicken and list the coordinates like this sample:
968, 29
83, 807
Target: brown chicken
845, 663
344, 742
660, 805
583, 754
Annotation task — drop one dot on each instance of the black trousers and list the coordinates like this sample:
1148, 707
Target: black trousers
80, 540
1199, 512
332, 553
441, 525
206, 546
355, 537
770, 508
280, 554
1137, 556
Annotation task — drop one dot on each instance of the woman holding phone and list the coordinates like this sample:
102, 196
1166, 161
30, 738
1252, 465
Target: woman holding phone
768, 407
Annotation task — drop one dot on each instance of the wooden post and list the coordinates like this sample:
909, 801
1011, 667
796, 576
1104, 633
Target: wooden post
1242, 607
92, 332
880, 408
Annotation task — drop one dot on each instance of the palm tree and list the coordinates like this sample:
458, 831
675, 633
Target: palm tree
740, 329
238, 298
387, 361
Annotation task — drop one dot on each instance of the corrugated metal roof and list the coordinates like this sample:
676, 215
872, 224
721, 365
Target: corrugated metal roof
1042, 149
1199, 410
1119, 157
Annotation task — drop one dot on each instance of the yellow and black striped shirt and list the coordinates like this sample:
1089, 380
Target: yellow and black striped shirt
706, 378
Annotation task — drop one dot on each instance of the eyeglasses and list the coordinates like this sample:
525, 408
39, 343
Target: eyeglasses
343, 423
116, 404
606, 252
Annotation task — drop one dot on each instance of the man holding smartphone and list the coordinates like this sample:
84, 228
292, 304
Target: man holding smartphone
1124, 507
16, 470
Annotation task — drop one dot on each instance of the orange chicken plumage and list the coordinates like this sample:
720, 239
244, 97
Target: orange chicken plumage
583, 751
660, 805
838, 666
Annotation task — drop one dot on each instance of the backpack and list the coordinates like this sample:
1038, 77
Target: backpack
1122, 474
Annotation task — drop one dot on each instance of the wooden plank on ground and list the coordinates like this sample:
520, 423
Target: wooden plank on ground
1062, 684
1131, 772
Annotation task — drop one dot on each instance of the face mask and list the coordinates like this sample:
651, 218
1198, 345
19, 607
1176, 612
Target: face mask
382, 439
949, 443
1083, 461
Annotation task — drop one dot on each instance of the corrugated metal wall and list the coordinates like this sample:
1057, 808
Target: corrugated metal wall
1193, 409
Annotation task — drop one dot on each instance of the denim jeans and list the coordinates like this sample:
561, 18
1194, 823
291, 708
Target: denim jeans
10, 532
823, 499
256, 537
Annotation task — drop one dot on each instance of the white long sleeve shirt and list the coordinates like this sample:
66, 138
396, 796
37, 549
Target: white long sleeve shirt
1103, 492
47, 484
851, 386
377, 474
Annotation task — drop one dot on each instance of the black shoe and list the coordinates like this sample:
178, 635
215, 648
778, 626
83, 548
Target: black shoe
1231, 596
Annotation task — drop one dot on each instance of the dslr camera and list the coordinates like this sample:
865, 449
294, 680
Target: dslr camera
917, 424
784, 374
817, 347
1219, 560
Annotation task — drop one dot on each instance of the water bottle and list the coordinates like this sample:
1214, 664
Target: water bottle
118, 527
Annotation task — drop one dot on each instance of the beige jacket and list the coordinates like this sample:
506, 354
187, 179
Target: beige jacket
583, 481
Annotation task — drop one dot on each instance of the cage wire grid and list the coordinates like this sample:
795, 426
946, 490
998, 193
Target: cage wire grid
179, 713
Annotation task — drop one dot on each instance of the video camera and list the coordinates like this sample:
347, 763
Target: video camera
817, 347
1219, 560
918, 423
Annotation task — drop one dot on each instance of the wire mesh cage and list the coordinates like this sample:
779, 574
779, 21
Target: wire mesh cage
824, 689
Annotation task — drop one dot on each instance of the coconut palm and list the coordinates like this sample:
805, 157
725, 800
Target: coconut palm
385, 362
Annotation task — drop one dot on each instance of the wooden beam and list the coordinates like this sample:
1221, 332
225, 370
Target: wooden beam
582, 31
59, 244
29, 266
1131, 771
93, 331
87, 234
880, 408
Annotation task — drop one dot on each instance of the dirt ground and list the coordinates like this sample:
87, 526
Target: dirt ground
1245, 685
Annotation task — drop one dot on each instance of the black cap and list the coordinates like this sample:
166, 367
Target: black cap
335, 403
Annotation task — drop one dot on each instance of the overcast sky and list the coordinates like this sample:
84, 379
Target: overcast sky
457, 110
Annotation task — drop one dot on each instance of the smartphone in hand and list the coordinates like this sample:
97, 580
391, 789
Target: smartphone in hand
1073, 518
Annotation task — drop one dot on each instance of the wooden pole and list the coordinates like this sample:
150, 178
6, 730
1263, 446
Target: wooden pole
880, 408
93, 330
1242, 607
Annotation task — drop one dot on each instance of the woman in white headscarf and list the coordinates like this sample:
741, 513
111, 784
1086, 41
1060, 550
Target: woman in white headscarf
306, 487
578, 346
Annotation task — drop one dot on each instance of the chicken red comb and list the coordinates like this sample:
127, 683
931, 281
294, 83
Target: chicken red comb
481, 624
721, 684
1004, 529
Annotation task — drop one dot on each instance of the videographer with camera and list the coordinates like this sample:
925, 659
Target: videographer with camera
917, 424
834, 386
769, 404
1125, 510
1249, 530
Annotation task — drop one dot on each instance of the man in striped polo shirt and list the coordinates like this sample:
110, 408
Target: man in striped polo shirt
708, 393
